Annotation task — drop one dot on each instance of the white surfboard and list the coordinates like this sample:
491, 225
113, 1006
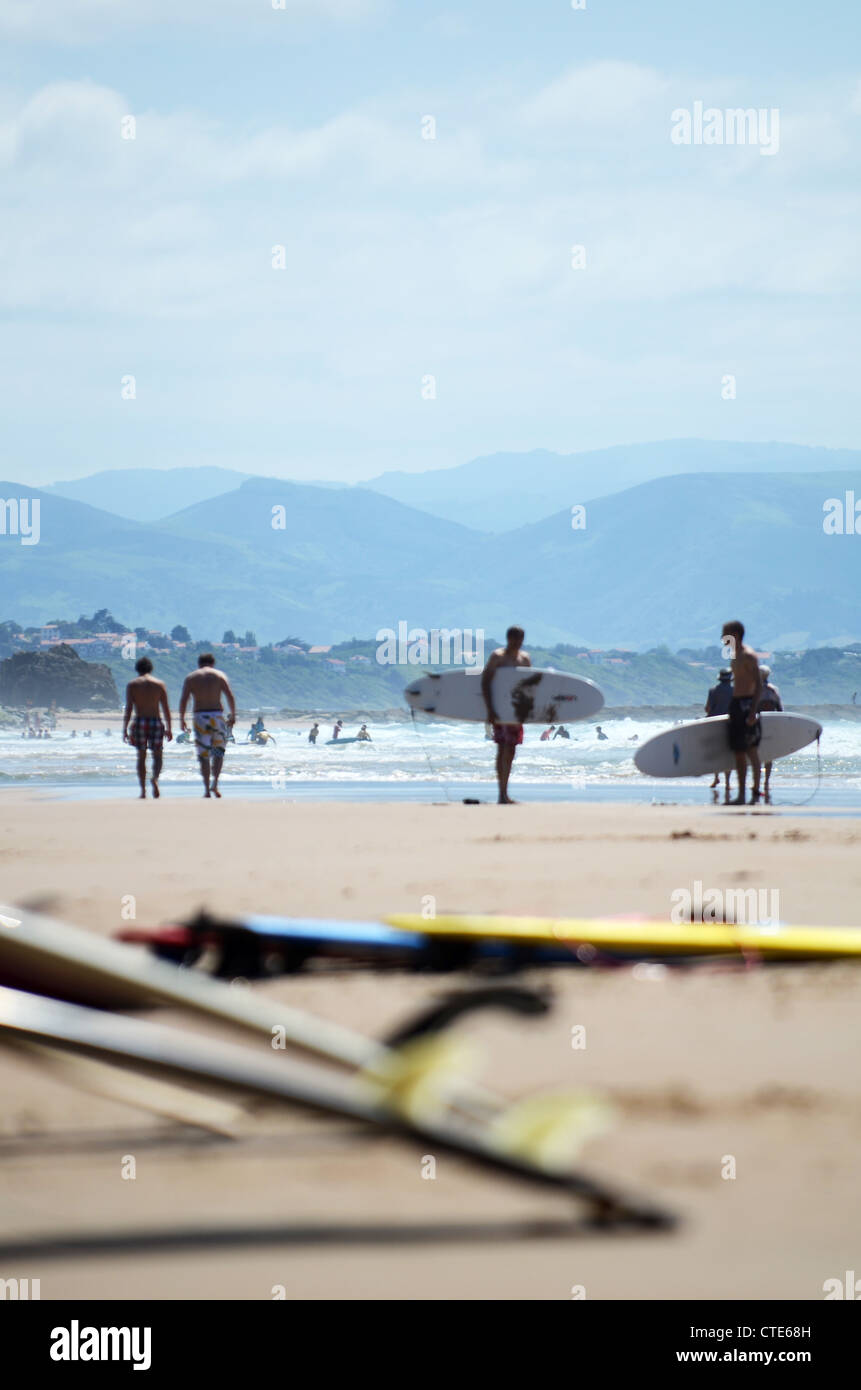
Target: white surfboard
518, 1142
521, 695
701, 747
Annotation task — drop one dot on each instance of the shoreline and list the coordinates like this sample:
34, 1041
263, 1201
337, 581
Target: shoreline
835, 802
292, 718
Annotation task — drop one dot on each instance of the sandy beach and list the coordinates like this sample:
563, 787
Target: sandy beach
759, 1064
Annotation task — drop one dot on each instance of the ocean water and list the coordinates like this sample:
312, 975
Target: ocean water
427, 761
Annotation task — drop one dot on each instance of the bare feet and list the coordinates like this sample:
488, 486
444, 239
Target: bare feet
216, 792
155, 791
142, 796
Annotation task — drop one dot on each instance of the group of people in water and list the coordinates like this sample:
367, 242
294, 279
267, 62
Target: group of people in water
37, 733
361, 737
559, 731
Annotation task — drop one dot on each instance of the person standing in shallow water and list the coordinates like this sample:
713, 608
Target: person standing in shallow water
507, 737
146, 697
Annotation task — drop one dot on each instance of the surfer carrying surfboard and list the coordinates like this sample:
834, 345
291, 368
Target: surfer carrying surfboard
507, 737
745, 728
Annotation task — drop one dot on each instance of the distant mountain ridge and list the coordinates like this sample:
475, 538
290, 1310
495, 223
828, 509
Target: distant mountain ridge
493, 493
500, 491
666, 561
148, 494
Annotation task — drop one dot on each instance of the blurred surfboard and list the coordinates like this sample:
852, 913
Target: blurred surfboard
646, 936
53, 958
506, 1144
702, 746
42, 956
521, 695
255, 946
458, 941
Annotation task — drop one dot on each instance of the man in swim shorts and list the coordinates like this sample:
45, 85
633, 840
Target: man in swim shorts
205, 687
745, 729
146, 698
507, 737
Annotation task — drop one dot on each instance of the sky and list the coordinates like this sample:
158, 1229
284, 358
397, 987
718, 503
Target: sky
281, 273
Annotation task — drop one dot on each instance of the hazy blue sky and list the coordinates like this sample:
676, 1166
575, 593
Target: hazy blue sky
405, 257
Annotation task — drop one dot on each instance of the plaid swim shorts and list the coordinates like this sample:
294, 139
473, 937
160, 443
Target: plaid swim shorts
147, 732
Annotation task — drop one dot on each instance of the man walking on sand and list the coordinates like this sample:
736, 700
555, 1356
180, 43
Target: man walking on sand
745, 729
146, 697
205, 688
505, 736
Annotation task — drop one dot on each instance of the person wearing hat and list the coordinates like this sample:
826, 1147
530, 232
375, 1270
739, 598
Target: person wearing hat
769, 700
718, 702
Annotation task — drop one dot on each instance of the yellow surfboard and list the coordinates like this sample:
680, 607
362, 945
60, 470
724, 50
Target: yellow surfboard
648, 936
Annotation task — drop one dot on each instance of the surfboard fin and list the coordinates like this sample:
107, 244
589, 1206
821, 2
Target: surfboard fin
419, 1079
512, 998
548, 1129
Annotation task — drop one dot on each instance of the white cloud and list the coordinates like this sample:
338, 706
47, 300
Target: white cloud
80, 21
595, 96
407, 256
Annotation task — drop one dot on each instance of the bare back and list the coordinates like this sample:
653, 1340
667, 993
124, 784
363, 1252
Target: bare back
146, 696
206, 687
747, 680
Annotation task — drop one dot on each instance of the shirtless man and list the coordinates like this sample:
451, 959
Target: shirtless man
205, 688
745, 730
146, 697
505, 736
